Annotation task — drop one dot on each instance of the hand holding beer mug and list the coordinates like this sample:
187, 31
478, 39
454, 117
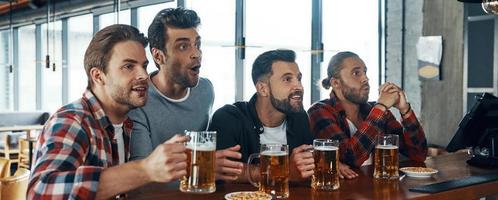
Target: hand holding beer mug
273, 170
326, 156
386, 157
201, 159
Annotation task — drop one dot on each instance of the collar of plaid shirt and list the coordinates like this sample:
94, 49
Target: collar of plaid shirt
365, 108
100, 116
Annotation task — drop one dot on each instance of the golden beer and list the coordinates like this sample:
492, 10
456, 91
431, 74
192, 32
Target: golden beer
326, 173
386, 162
200, 170
274, 173
201, 158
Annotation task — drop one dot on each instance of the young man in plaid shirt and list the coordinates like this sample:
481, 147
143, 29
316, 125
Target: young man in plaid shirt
348, 117
82, 150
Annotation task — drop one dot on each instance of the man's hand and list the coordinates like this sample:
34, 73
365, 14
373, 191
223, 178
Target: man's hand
388, 94
302, 163
227, 169
168, 161
346, 172
402, 104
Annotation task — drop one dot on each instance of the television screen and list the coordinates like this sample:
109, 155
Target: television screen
479, 126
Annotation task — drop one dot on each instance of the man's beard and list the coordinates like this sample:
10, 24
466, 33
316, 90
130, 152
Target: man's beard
284, 106
354, 95
182, 77
184, 80
123, 96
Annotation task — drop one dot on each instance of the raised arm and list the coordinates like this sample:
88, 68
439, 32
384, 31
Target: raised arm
166, 163
412, 141
229, 166
353, 150
59, 170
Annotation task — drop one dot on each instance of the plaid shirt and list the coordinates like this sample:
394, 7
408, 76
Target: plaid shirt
75, 146
328, 120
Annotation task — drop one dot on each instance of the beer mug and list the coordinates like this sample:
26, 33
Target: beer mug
273, 170
326, 172
201, 159
386, 157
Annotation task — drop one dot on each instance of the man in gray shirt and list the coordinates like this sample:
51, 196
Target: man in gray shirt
163, 116
179, 99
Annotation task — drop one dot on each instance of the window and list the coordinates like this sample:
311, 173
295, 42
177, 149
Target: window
6, 78
110, 18
145, 16
266, 30
79, 37
27, 68
147, 13
345, 30
481, 53
51, 79
217, 33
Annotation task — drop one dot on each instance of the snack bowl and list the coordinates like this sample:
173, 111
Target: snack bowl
246, 195
419, 172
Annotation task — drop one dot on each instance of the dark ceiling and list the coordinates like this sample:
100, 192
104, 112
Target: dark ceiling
35, 11
18, 5
22, 5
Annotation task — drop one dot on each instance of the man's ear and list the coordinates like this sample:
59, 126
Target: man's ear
98, 76
159, 56
262, 88
334, 82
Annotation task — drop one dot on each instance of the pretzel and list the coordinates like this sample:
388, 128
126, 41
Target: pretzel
249, 196
419, 169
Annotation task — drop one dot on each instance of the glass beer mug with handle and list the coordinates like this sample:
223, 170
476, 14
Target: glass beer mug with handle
201, 159
273, 170
326, 172
386, 162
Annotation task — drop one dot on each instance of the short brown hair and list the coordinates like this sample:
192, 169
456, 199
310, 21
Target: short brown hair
99, 50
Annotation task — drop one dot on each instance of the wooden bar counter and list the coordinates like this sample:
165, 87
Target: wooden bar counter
450, 166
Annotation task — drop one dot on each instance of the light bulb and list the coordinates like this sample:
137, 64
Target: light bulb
490, 6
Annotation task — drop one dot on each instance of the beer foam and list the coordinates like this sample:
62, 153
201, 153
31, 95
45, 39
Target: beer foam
326, 148
274, 153
386, 147
203, 147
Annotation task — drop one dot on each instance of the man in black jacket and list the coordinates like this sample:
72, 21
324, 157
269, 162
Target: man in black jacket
273, 115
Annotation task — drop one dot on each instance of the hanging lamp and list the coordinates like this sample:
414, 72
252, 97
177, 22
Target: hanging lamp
47, 57
53, 36
11, 40
490, 6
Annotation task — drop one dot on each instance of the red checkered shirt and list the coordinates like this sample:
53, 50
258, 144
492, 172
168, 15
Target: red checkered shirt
75, 146
328, 121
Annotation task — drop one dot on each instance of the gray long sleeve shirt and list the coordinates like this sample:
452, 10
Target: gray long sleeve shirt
161, 118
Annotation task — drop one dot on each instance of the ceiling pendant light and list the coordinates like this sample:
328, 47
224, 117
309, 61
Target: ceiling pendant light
490, 6
11, 40
53, 36
47, 57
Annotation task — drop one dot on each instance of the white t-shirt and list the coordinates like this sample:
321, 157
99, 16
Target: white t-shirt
276, 135
352, 130
118, 136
